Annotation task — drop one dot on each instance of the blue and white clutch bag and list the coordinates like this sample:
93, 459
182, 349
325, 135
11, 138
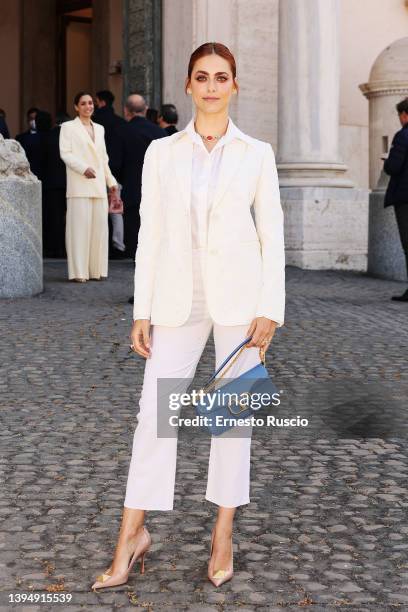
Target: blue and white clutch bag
234, 400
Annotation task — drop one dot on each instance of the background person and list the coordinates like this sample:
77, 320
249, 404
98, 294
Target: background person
83, 149
168, 118
54, 187
134, 138
43, 123
152, 114
31, 142
105, 115
396, 165
198, 186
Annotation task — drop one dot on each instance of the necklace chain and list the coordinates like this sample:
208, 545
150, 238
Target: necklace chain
209, 137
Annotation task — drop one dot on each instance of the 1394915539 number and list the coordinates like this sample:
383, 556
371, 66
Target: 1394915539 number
40, 598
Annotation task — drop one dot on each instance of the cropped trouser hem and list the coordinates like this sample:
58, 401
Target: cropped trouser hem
229, 503
149, 509
169, 508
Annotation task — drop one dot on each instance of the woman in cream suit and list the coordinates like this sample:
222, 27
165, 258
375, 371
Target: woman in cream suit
82, 148
202, 264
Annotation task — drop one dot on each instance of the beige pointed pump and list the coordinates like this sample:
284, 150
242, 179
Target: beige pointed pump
142, 546
222, 575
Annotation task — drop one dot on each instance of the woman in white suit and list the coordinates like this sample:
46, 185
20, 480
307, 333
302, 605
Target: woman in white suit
202, 264
82, 148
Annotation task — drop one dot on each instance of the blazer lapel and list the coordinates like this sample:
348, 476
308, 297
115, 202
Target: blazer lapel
182, 154
231, 161
87, 137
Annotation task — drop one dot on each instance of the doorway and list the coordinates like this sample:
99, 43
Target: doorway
74, 49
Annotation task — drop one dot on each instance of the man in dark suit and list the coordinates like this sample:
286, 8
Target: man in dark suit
127, 163
396, 165
54, 186
168, 118
105, 115
31, 142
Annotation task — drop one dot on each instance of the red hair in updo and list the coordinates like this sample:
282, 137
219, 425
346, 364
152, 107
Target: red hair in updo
211, 48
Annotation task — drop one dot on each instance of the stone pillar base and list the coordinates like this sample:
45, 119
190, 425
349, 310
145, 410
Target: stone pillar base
326, 228
21, 269
385, 255
295, 174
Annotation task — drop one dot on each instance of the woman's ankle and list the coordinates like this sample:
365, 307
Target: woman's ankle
134, 532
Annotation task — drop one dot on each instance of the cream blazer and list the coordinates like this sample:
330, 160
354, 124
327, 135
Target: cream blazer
245, 260
79, 152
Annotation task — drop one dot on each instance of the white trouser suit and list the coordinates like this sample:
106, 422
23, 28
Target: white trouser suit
86, 236
175, 352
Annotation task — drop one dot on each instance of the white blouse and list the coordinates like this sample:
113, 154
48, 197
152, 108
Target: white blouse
205, 171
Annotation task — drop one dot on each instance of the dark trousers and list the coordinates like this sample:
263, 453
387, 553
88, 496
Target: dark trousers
131, 223
401, 214
53, 218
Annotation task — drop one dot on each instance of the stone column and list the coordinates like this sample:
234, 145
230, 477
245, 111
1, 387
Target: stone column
142, 49
309, 75
325, 218
21, 265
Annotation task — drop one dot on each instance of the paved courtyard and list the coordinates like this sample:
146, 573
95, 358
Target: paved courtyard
327, 527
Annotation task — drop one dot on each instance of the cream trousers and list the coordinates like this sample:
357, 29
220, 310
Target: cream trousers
175, 352
86, 237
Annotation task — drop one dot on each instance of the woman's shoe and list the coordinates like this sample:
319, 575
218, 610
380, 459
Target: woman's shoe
222, 575
142, 546
80, 280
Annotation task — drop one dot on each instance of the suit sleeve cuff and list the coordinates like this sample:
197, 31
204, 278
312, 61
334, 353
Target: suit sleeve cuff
279, 322
140, 315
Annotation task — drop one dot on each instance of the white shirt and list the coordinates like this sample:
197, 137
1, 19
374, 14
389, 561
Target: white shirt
204, 177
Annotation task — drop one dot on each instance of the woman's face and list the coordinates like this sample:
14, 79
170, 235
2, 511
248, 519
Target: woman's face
85, 107
212, 84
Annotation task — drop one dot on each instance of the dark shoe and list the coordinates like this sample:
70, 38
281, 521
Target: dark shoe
401, 298
116, 254
131, 300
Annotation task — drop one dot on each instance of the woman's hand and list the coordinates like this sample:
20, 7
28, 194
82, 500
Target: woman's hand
90, 173
262, 331
115, 203
140, 336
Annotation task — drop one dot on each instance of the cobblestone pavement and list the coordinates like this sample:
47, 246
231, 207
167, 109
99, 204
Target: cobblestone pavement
327, 526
